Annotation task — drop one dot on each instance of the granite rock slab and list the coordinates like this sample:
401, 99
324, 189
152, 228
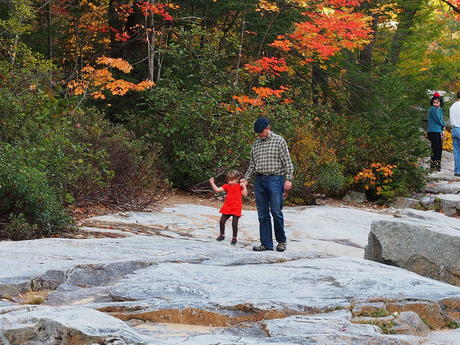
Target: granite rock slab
429, 250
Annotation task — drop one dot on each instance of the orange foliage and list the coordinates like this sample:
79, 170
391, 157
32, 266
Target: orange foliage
329, 27
120, 64
375, 177
95, 81
266, 92
247, 100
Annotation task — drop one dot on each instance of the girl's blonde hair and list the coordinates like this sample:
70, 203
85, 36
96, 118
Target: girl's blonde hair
233, 175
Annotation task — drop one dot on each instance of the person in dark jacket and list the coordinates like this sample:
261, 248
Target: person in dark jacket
435, 128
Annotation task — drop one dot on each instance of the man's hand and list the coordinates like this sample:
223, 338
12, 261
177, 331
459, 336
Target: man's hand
287, 188
287, 185
211, 180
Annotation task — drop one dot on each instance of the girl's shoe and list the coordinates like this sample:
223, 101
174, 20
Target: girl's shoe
233, 242
220, 238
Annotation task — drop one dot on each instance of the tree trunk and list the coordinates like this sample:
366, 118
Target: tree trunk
49, 32
116, 26
240, 52
150, 34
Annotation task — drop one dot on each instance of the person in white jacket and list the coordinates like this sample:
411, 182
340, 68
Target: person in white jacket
454, 116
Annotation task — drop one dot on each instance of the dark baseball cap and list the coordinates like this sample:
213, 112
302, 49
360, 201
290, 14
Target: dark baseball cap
260, 124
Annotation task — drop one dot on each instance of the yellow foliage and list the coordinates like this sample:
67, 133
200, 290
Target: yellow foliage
267, 6
300, 3
447, 143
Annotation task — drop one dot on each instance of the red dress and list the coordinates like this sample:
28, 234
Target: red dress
233, 203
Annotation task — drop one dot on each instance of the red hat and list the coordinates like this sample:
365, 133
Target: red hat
436, 94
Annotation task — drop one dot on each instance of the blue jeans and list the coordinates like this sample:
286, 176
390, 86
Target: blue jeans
456, 144
269, 199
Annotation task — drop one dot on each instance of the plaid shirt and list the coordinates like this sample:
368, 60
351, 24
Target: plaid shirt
270, 156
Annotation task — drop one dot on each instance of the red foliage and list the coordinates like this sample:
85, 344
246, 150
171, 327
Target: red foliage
148, 8
325, 34
267, 65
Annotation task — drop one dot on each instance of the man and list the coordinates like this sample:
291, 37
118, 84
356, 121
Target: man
271, 164
454, 116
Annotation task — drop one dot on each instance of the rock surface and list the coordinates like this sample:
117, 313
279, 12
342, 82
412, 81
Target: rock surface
355, 197
401, 202
64, 325
427, 250
175, 285
331, 230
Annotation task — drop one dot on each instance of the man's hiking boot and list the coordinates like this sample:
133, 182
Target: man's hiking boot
260, 248
220, 238
281, 247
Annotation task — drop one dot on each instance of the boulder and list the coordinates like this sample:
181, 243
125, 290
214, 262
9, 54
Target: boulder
429, 311
13, 286
452, 307
409, 322
428, 202
426, 250
401, 202
446, 187
64, 326
450, 203
353, 196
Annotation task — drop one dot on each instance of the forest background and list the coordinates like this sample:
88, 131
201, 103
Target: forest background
104, 100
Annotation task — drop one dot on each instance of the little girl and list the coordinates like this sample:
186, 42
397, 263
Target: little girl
435, 128
233, 203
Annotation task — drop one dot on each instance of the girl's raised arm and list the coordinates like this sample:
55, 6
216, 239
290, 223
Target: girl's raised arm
214, 187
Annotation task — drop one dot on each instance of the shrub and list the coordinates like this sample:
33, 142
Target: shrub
383, 128
392, 134
18, 228
110, 163
330, 178
317, 168
29, 207
376, 180
83, 156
